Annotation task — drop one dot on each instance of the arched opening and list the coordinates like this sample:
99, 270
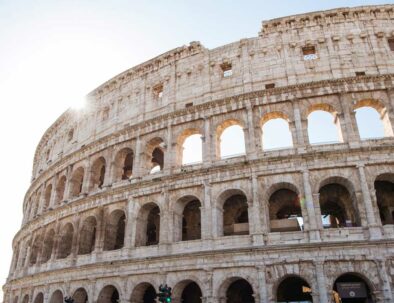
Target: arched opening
369, 123
157, 160
57, 297
16, 299
240, 291
154, 155
187, 219
115, 230
76, 182
351, 288
60, 189
276, 132
98, 173
66, 240
47, 197
48, 246
26, 299
35, 248
192, 149
235, 215
39, 298
109, 294
285, 211
80, 296
294, 289
124, 164
87, 238
231, 141
384, 188
191, 293
148, 225
323, 127
338, 207
144, 293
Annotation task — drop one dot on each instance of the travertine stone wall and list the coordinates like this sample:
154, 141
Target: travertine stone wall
87, 226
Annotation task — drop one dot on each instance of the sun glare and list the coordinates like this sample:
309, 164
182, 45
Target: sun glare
78, 103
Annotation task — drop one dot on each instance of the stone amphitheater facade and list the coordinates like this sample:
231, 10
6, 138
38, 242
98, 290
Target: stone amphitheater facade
101, 227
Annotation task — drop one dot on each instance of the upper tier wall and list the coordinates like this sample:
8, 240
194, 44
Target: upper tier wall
346, 41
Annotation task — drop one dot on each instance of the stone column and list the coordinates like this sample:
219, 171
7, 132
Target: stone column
75, 239
52, 199
165, 220
262, 282
100, 235
349, 122
130, 225
206, 213
316, 202
207, 143
254, 213
375, 231
86, 178
251, 148
41, 200
299, 132
387, 290
66, 194
137, 164
314, 234
321, 282
169, 152
108, 168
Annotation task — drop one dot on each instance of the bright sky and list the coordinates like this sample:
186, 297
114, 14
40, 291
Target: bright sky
55, 52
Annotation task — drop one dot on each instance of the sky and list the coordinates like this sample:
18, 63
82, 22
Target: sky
53, 53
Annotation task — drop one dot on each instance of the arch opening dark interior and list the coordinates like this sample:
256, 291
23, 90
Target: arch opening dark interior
240, 291
128, 166
385, 201
294, 289
350, 288
109, 294
235, 216
191, 222
153, 226
115, 231
191, 293
87, 238
149, 295
337, 206
80, 296
285, 211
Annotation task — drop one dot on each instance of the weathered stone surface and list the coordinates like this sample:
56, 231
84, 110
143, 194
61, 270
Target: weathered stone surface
95, 219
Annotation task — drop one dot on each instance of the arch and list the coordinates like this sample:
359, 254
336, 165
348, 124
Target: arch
338, 205
76, 182
285, 212
237, 290
56, 297
97, 173
61, 186
155, 155
187, 219
65, 243
353, 288
375, 114
384, 190
323, 125
189, 147
276, 133
16, 299
35, 248
148, 225
230, 139
47, 196
39, 298
123, 164
87, 237
115, 230
143, 293
109, 294
48, 246
26, 299
293, 288
80, 295
188, 291
235, 213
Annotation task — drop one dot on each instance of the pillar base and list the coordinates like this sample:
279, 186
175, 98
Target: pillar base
258, 239
375, 232
314, 235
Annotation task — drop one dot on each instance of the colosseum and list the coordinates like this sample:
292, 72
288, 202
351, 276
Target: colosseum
114, 209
